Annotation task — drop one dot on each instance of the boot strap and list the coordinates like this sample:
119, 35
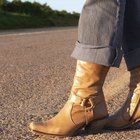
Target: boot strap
83, 101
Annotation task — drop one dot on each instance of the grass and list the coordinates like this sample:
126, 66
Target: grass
10, 20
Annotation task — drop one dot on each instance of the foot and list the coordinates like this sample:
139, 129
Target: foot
77, 113
85, 105
128, 114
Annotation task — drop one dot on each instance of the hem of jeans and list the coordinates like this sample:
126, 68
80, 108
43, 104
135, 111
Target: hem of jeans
132, 59
103, 55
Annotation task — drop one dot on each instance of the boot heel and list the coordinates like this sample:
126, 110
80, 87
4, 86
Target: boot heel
96, 126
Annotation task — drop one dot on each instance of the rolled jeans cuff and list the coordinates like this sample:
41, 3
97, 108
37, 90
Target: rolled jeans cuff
132, 59
103, 55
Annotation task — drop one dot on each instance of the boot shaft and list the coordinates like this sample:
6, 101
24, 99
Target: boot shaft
89, 78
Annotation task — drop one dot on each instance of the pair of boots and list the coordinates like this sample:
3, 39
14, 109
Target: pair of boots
86, 107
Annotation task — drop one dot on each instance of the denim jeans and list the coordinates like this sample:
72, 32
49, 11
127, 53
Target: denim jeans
108, 30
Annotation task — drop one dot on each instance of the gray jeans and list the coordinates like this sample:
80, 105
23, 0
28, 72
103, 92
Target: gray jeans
108, 30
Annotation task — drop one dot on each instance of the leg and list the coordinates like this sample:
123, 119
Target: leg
85, 105
131, 45
100, 30
129, 113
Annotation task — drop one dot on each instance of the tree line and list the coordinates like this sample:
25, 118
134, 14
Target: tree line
34, 9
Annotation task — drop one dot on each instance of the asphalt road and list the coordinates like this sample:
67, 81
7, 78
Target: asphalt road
36, 74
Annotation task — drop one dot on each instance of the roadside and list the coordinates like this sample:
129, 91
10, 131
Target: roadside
33, 30
36, 74
16, 18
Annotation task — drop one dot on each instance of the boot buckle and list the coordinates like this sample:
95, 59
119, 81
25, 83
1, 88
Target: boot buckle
87, 100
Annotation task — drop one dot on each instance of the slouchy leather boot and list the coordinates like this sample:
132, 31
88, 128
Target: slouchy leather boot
86, 105
129, 113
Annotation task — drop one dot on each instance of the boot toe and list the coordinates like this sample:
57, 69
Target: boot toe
32, 126
35, 126
39, 127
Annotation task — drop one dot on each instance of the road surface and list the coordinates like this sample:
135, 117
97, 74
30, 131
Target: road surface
36, 74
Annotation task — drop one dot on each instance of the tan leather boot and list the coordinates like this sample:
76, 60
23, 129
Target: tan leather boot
129, 113
86, 105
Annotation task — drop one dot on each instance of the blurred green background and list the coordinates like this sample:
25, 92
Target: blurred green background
17, 14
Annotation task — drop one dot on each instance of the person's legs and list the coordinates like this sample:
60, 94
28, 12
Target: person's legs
131, 41
129, 113
97, 48
85, 106
100, 32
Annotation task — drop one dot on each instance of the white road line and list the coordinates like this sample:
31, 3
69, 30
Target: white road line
21, 34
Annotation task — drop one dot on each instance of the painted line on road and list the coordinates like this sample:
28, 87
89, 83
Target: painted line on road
21, 34
31, 32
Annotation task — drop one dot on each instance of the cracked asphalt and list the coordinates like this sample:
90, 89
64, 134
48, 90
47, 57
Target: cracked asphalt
36, 74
